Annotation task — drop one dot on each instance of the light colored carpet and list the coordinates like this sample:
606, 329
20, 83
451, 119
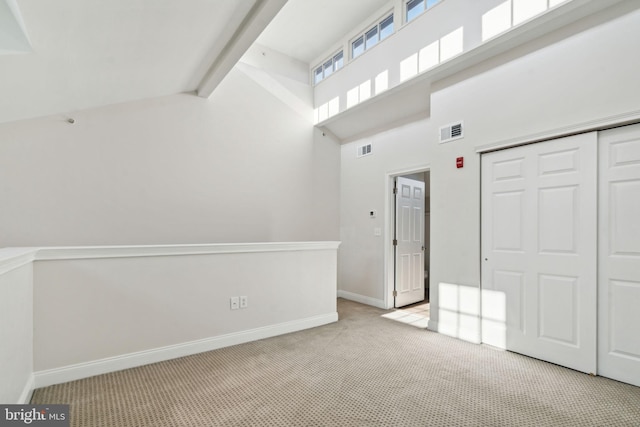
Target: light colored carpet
364, 370
415, 315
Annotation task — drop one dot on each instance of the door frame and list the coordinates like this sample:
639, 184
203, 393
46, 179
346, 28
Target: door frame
389, 227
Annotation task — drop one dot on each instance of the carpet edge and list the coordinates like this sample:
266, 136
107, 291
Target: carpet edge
131, 360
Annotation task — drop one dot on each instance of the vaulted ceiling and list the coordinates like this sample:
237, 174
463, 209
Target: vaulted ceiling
66, 55
304, 29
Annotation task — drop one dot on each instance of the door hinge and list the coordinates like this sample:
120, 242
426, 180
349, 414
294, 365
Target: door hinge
395, 242
395, 190
395, 294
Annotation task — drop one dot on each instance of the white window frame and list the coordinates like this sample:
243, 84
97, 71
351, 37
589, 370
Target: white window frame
362, 36
426, 7
335, 63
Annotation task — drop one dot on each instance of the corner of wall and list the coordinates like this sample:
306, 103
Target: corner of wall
374, 302
16, 311
27, 392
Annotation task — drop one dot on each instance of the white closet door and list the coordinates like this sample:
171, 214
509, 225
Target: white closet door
619, 256
539, 209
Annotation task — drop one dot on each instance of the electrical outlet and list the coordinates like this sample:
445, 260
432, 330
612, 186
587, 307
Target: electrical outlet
235, 303
244, 301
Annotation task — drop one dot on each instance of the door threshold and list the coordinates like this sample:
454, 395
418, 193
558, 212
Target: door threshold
415, 315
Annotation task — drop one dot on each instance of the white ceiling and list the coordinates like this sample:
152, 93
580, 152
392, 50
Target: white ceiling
305, 29
13, 38
89, 53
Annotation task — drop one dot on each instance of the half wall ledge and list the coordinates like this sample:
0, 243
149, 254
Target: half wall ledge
93, 310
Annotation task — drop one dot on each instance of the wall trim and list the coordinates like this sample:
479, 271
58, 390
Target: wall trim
89, 252
561, 132
112, 364
27, 392
12, 258
362, 299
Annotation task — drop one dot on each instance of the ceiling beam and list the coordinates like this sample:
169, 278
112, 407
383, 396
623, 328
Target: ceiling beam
256, 20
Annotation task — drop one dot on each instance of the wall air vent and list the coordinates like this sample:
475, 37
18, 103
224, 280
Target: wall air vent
364, 150
451, 132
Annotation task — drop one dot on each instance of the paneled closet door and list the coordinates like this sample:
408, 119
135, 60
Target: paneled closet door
539, 229
619, 255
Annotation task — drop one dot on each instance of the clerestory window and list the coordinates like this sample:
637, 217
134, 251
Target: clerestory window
416, 7
372, 36
328, 67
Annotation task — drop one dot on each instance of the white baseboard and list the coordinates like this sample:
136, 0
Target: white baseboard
27, 392
432, 325
131, 360
361, 299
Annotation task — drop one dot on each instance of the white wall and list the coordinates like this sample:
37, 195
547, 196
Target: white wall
16, 329
437, 22
581, 74
102, 309
244, 165
72, 312
363, 183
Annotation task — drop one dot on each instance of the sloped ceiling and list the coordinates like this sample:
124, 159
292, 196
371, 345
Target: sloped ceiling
59, 56
87, 53
304, 29
13, 38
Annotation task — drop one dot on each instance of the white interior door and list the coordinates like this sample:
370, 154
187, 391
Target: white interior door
410, 241
619, 256
539, 207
